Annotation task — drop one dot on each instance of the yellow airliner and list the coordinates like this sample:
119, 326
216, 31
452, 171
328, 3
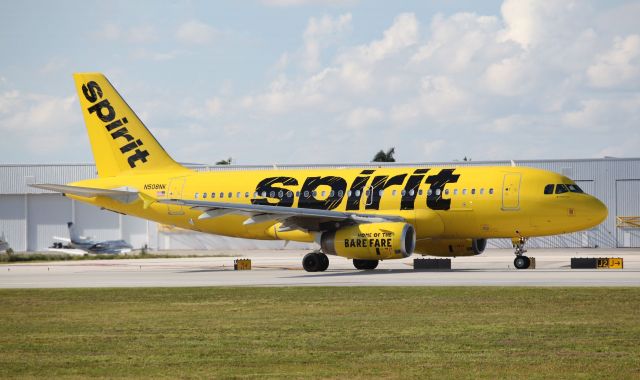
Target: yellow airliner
366, 214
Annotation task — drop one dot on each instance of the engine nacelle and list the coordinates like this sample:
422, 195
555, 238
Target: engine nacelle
372, 241
451, 247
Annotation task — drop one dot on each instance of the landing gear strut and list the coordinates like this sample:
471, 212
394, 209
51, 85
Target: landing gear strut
521, 261
315, 262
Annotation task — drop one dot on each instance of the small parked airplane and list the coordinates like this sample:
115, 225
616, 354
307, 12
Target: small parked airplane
75, 241
365, 214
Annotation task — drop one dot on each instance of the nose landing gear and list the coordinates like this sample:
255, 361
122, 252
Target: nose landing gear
521, 261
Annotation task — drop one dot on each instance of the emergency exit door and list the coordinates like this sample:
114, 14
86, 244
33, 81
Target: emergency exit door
511, 191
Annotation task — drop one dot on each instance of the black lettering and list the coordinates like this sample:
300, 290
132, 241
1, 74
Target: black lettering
122, 132
116, 124
438, 182
266, 186
380, 183
411, 189
98, 109
131, 146
346, 243
353, 201
308, 200
388, 242
139, 155
91, 91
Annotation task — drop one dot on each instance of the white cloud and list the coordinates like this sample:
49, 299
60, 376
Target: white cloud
402, 34
439, 101
619, 66
319, 33
363, 117
461, 42
605, 114
508, 77
40, 123
531, 22
195, 32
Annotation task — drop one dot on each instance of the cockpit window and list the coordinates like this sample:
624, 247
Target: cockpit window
548, 189
561, 188
575, 189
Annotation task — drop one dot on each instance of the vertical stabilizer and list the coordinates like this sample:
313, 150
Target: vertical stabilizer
120, 142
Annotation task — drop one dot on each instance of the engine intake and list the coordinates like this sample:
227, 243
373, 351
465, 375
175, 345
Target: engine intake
373, 241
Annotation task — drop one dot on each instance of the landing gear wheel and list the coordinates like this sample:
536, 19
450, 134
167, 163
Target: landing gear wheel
315, 262
365, 264
325, 262
522, 262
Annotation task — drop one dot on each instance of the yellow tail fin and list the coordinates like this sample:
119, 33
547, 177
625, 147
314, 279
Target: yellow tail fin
120, 142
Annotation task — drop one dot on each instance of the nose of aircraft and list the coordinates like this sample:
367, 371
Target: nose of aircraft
597, 211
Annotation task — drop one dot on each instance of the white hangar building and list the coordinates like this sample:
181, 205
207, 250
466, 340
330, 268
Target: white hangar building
29, 217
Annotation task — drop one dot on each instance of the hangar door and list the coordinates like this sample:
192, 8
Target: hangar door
628, 213
13, 221
48, 215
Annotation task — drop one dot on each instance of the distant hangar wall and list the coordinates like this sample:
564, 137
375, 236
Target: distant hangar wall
30, 217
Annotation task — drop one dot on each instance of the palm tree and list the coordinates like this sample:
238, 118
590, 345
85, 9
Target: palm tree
383, 156
224, 162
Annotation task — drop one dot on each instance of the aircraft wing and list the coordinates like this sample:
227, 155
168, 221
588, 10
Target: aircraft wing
291, 218
126, 196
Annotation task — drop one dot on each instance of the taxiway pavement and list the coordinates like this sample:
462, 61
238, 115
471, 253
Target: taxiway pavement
283, 268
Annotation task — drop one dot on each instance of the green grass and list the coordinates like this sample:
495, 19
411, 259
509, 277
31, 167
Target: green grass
321, 333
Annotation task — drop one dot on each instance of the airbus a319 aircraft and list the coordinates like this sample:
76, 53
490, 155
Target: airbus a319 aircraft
365, 214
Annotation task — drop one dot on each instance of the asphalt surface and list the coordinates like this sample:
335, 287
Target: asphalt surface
283, 268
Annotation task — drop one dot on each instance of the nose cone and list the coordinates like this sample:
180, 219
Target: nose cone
597, 211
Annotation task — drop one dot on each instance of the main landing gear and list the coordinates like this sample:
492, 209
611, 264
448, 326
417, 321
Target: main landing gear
521, 261
319, 262
365, 264
315, 262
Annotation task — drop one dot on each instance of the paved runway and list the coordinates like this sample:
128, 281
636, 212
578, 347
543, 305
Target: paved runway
283, 268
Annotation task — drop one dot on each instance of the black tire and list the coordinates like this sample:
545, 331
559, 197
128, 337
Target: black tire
521, 262
325, 262
312, 262
365, 264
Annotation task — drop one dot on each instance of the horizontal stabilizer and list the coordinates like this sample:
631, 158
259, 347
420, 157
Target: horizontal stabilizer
125, 196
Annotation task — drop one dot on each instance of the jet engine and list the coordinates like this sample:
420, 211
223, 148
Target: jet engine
451, 247
372, 241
